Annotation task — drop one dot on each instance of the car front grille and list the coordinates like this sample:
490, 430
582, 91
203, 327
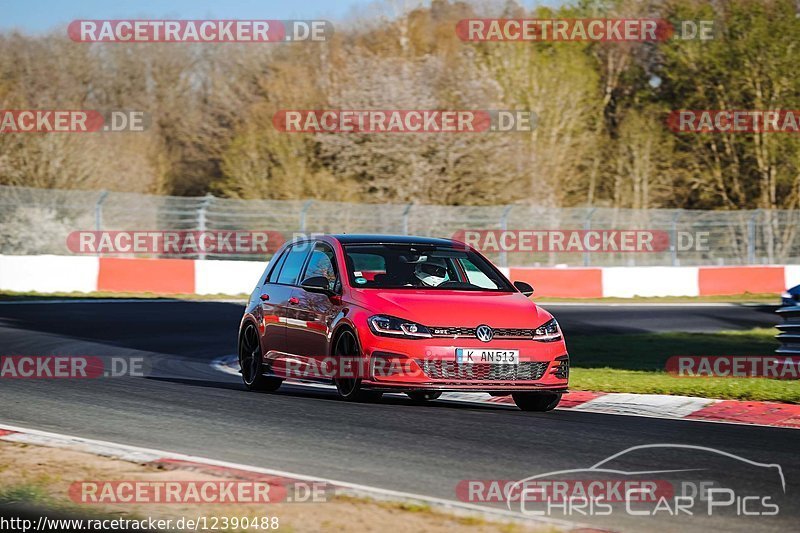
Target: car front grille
524, 371
499, 333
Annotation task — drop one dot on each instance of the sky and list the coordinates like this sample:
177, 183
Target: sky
35, 16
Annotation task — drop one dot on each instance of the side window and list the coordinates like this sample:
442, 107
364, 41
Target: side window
273, 275
322, 263
290, 270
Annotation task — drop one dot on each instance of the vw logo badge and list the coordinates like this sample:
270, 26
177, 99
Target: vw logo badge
484, 333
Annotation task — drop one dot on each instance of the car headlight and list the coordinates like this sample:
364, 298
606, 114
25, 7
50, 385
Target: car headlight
396, 327
548, 332
787, 295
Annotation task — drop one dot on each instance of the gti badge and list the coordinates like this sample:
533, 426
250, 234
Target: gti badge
484, 333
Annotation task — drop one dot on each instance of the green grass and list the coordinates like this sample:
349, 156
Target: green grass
635, 363
609, 380
25, 493
650, 351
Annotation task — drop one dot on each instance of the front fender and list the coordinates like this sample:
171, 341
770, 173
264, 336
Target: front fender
354, 319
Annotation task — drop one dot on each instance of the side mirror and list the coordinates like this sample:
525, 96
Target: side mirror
319, 284
523, 287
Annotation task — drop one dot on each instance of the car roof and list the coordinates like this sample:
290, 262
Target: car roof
391, 239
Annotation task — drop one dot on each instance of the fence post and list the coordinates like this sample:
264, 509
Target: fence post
751, 238
504, 226
98, 210
674, 232
587, 225
406, 211
201, 219
98, 213
303, 212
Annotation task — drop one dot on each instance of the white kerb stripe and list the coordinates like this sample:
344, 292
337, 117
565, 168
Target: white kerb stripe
660, 405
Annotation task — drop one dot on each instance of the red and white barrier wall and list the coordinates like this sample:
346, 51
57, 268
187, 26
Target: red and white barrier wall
53, 273
626, 282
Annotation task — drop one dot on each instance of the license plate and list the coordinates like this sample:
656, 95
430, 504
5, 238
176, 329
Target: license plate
490, 357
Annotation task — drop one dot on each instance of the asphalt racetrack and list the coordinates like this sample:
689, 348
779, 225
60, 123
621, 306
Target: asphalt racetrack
185, 405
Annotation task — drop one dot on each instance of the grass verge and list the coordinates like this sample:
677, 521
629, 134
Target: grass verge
636, 363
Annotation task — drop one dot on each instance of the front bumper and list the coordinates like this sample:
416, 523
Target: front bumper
430, 364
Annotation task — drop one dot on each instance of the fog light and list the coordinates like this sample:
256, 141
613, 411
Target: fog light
561, 369
388, 365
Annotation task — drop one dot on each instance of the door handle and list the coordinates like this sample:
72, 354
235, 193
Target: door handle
265, 297
294, 300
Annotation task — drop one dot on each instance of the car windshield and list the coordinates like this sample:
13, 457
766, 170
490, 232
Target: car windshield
412, 266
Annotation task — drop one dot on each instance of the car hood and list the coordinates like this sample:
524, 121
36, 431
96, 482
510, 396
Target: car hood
454, 308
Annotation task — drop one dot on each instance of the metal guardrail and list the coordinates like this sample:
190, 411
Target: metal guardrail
37, 221
789, 335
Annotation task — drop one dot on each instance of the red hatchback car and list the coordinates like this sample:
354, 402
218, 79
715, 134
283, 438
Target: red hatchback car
378, 313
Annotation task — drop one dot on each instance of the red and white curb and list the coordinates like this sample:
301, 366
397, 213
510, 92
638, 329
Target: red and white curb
772, 414
179, 461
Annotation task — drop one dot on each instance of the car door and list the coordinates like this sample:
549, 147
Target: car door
275, 299
312, 314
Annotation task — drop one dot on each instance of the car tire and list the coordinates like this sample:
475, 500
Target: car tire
422, 396
349, 389
252, 367
536, 401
